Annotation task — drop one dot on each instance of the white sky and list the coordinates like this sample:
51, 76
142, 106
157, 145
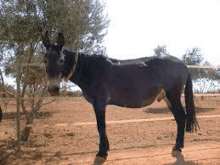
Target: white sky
139, 26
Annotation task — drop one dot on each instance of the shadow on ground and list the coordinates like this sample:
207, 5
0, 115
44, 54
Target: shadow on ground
13, 115
181, 161
30, 152
166, 110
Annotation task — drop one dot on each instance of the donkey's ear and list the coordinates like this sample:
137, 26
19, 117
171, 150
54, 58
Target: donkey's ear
46, 40
60, 40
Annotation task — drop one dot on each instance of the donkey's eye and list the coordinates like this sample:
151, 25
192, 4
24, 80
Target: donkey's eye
60, 61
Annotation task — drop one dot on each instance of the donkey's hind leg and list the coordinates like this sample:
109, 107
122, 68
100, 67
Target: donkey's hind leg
180, 117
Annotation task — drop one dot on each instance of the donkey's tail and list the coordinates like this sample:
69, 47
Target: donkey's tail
191, 121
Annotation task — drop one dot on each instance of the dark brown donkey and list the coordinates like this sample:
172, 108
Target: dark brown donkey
130, 83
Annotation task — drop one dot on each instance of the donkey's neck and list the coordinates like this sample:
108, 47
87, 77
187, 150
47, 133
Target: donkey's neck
76, 76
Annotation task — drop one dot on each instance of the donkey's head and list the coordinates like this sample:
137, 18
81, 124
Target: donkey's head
54, 61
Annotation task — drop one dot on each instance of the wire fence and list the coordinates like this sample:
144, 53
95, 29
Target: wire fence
204, 67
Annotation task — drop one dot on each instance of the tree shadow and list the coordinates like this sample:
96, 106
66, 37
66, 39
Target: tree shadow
157, 110
181, 161
200, 109
30, 152
167, 110
13, 115
31, 157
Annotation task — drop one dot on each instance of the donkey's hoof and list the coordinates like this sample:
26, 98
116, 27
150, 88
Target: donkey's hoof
99, 160
176, 152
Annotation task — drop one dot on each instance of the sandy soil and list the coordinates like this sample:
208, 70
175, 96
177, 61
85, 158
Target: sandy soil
64, 133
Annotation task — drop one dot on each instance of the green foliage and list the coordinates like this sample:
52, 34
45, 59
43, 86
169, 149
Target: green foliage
194, 57
160, 50
82, 22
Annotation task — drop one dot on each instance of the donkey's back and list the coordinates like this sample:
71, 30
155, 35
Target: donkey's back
137, 83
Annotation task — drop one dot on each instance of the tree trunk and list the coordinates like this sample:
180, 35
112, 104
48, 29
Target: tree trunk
2, 79
27, 130
30, 118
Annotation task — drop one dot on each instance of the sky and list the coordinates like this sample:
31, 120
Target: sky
137, 27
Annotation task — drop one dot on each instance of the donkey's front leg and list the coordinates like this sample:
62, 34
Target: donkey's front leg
99, 107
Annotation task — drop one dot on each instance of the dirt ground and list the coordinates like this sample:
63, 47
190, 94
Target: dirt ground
64, 133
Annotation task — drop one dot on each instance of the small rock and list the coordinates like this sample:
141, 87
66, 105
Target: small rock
70, 134
159, 137
2, 144
56, 158
48, 135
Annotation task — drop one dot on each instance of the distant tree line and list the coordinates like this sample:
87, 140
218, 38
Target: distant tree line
192, 57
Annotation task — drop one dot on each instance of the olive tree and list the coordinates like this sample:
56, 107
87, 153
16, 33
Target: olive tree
22, 23
160, 50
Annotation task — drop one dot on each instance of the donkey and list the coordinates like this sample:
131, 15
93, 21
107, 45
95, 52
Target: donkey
129, 83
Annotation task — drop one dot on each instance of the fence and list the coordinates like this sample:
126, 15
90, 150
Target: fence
41, 65
204, 67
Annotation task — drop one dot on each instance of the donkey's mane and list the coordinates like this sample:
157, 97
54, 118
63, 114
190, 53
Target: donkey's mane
92, 67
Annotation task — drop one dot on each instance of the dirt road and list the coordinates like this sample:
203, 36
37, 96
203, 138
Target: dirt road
195, 154
65, 133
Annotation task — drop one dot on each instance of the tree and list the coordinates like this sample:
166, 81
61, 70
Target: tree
82, 22
210, 73
22, 23
203, 77
160, 50
193, 57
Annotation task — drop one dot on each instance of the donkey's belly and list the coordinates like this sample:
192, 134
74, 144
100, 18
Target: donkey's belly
132, 104
137, 101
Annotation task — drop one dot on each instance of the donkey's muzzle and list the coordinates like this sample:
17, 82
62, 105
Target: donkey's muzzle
54, 91
54, 86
